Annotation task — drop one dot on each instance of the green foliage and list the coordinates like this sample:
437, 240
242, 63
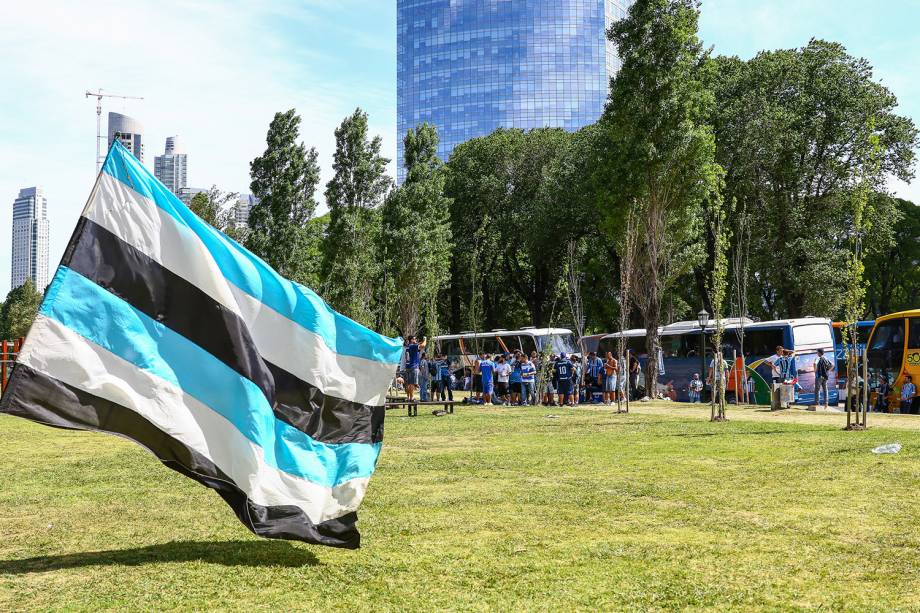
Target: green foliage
202, 206
415, 241
893, 269
19, 310
512, 211
789, 127
351, 267
284, 179
656, 149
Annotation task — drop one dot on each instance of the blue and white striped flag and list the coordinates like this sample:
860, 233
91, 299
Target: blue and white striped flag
159, 328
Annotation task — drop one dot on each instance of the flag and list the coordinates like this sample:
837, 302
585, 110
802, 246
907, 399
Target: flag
159, 328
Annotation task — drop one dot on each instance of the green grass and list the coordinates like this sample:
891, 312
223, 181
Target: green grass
492, 509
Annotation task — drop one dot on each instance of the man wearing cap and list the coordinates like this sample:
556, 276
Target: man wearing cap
565, 370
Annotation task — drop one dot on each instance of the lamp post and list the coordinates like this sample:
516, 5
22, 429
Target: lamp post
703, 319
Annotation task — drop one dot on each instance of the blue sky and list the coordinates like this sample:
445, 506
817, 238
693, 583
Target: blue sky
215, 72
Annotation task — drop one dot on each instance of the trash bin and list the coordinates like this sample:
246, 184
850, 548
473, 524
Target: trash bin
787, 395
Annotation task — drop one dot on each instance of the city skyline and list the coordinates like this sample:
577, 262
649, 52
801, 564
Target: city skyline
223, 99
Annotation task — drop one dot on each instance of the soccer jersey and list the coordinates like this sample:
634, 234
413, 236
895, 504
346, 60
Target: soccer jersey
486, 368
564, 370
528, 371
413, 355
516, 372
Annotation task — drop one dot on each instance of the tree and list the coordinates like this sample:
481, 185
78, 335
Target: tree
657, 150
789, 126
19, 310
893, 271
215, 207
284, 180
415, 238
350, 267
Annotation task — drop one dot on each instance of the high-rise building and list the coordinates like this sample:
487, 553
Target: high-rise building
171, 168
129, 131
30, 238
469, 67
242, 208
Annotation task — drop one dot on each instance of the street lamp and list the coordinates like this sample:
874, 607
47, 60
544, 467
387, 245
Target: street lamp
703, 319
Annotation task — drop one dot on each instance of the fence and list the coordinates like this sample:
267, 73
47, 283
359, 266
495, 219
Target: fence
9, 351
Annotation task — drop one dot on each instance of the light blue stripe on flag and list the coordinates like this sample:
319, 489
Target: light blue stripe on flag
106, 320
255, 277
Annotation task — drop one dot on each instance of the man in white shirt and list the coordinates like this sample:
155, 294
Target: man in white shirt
503, 372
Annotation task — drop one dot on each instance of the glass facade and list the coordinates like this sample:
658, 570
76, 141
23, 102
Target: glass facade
471, 66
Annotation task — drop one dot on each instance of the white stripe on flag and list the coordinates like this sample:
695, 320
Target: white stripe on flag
68, 357
140, 223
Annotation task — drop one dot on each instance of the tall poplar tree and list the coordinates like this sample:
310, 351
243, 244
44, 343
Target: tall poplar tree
350, 269
657, 150
284, 179
415, 238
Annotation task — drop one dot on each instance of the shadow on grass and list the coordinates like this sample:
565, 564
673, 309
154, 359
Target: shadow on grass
226, 553
738, 434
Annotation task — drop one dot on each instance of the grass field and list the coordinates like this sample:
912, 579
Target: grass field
488, 509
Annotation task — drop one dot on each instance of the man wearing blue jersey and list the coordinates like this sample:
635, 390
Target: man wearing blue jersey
487, 370
564, 371
413, 360
447, 393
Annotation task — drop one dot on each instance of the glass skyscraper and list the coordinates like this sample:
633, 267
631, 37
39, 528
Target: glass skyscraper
471, 66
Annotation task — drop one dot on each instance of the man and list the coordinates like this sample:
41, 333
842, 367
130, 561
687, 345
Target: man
413, 359
778, 367
908, 396
594, 375
517, 382
424, 377
611, 376
634, 369
823, 367
564, 370
503, 376
486, 373
477, 380
528, 377
447, 393
696, 388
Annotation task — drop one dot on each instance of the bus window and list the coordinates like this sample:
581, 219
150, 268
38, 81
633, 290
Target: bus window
561, 343
528, 344
813, 334
762, 342
512, 342
886, 350
913, 343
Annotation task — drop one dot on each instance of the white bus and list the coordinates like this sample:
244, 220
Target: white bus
462, 349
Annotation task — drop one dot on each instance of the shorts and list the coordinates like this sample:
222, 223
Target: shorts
564, 387
502, 388
610, 384
486, 385
411, 376
477, 383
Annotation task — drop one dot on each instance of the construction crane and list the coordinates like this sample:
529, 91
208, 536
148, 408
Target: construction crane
98, 95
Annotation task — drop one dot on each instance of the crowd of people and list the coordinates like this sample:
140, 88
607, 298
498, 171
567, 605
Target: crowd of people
518, 378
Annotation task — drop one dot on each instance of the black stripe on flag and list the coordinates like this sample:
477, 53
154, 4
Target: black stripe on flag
164, 296
46, 400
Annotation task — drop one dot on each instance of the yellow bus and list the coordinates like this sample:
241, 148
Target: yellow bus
893, 352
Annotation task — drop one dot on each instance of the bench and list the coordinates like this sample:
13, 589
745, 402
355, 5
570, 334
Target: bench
412, 407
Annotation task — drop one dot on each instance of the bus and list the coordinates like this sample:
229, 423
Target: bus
862, 330
892, 353
680, 353
462, 349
